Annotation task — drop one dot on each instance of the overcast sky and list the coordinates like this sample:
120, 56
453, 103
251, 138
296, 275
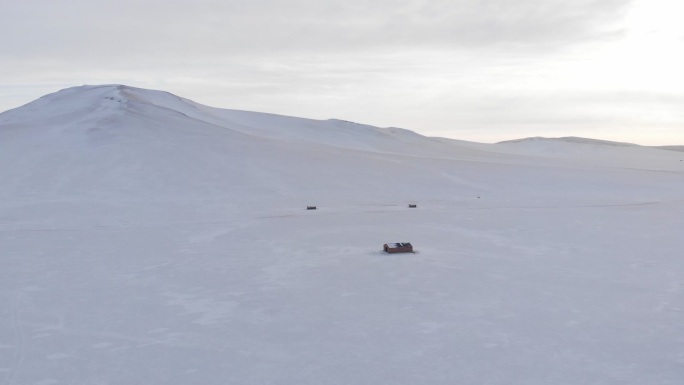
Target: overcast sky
480, 70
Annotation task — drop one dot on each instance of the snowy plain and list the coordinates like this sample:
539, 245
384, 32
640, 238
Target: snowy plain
148, 239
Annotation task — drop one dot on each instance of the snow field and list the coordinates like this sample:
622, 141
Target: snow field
153, 240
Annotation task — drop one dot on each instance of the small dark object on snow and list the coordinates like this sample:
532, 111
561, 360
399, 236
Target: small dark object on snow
412, 206
311, 207
401, 247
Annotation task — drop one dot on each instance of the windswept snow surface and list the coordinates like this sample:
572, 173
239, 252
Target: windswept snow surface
147, 239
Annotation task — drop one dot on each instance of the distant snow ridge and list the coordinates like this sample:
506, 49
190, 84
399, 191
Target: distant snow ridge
569, 139
671, 148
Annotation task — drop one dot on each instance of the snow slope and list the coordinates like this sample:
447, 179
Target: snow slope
146, 238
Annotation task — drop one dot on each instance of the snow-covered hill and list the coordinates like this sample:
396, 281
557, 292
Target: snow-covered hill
671, 148
570, 139
146, 238
595, 152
